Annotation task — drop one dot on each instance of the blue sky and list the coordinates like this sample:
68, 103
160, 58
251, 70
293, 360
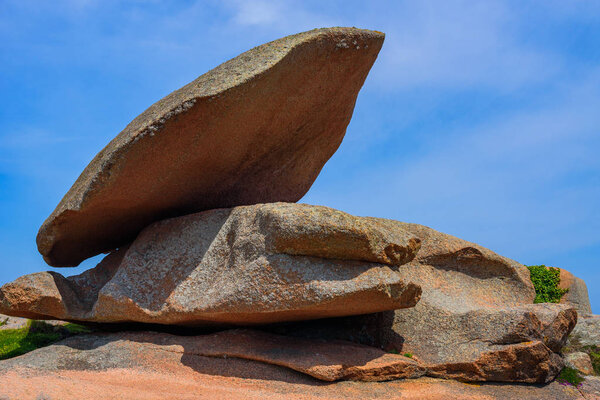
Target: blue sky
479, 119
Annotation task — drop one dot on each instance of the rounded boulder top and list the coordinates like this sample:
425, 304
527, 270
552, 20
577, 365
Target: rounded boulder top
256, 129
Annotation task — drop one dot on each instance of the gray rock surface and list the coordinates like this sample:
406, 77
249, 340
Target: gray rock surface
246, 265
8, 322
255, 129
587, 331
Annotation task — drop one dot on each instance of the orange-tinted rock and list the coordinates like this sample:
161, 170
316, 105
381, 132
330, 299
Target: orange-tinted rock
153, 366
241, 266
577, 295
255, 129
580, 361
327, 361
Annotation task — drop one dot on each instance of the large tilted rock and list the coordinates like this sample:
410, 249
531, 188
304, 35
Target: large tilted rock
475, 320
158, 366
256, 129
245, 265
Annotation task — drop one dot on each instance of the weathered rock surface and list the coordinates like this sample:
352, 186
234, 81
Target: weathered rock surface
587, 331
475, 320
577, 296
580, 361
8, 322
256, 129
153, 366
246, 265
516, 344
508, 345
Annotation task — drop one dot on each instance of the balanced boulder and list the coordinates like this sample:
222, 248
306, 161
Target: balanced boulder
246, 265
255, 129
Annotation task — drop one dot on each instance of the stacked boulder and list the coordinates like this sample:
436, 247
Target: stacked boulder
195, 202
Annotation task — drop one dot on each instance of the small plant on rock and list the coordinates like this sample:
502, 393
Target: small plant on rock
545, 281
570, 376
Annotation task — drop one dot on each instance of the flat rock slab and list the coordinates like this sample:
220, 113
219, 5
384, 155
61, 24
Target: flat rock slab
255, 129
327, 361
246, 265
153, 366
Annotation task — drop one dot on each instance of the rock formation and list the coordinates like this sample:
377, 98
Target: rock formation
280, 262
192, 203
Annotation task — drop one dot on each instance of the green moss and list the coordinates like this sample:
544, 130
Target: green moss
36, 334
571, 376
545, 281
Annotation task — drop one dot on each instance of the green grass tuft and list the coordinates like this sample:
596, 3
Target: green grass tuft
545, 281
15, 342
570, 376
